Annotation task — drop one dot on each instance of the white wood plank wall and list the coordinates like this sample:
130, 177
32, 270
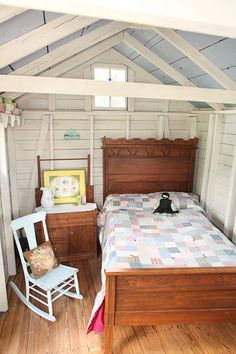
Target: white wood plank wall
220, 185
224, 169
69, 111
202, 130
26, 139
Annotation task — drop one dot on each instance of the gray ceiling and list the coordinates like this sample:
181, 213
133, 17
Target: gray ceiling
221, 51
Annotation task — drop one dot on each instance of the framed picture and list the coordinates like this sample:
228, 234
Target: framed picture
67, 185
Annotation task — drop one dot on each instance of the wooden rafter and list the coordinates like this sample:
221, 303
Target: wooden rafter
162, 64
8, 12
105, 88
40, 37
151, 78
78, 59
204, 16
197, 57
68, 50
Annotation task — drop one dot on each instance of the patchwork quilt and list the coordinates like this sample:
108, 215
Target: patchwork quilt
132, 236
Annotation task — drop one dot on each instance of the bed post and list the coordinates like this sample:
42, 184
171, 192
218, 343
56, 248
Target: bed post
109, 313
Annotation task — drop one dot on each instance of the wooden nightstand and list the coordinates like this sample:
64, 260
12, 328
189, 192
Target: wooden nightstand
73, 235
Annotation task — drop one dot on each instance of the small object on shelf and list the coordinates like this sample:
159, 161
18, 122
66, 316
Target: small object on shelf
83, 199
9, 112
79, 200
47, 200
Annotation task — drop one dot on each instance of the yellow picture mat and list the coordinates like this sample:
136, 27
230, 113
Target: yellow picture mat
50, 176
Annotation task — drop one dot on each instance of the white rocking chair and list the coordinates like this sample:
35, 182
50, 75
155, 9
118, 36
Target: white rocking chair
57, 282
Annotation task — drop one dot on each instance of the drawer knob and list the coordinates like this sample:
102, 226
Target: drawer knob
72, 232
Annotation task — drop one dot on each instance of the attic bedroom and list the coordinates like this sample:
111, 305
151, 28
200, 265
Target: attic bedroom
117, 177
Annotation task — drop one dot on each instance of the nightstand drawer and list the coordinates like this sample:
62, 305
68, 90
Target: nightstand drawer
58, 234
84, 221
73, 235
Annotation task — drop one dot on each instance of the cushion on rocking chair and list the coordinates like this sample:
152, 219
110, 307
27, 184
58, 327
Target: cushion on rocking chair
41, 259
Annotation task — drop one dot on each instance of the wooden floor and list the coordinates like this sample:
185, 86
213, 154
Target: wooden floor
23, 332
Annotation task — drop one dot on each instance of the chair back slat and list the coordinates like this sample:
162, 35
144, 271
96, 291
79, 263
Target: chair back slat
27, 223
28, 220
31, 236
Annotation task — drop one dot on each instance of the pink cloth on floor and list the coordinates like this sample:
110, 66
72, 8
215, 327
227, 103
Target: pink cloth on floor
97, 322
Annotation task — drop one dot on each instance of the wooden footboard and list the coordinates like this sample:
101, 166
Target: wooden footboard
170, 295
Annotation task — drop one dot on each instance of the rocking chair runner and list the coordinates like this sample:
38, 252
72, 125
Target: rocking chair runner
57, 282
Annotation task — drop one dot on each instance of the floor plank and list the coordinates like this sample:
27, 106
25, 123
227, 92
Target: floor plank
23, 332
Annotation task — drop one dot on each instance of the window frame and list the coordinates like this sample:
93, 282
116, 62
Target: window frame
109, 66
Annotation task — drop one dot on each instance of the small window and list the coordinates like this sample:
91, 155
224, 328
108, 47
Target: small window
112, 73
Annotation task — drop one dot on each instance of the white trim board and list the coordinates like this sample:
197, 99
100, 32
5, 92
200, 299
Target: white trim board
231, 205
53, 85
204, 16
33, 182
6, 203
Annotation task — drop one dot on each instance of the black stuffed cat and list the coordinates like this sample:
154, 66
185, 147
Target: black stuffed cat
165, 205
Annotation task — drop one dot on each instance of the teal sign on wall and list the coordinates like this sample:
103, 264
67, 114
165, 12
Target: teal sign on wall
71, 134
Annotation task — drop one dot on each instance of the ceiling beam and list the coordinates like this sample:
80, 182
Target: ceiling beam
53, 85
26, 96
204, 16
196, 56
8, 12
77, 60
68, 50
135, 67
151, 78
40, 37
156, 60
162, 64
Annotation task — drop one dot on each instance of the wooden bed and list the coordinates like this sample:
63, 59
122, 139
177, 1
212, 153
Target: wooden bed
166, 295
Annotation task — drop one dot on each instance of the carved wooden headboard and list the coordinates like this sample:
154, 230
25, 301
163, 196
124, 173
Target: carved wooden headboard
145, 166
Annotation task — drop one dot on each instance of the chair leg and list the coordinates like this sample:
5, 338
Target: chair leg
77, 294
77, 287
27, 290
32, 307
50, 309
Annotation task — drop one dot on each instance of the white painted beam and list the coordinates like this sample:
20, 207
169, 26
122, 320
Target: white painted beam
29, 200
3, 289
231, 204
34, 84
192, 127
196, 56
91, 147
155, 59
213, 162
77, 59
12, 171
142, 71
81, 67
160, 63
207, 162
68, 50
204, 16
6, 203
8, 12
40, 37
160, 126
135, 67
